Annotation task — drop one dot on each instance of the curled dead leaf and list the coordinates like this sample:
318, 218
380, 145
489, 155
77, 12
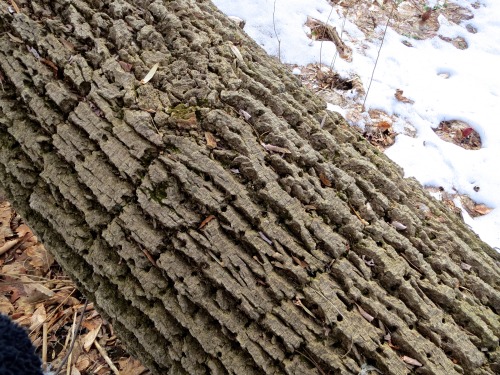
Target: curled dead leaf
125, 66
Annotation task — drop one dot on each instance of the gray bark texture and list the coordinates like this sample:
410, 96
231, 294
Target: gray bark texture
274, 252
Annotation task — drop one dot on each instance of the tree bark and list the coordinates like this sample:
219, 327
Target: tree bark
290, 246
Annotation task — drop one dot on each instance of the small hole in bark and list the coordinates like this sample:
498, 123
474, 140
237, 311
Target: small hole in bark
80, 158
248, 323
411, 327
389, 308
340, 317
233, 197
223, 208
366, 292
407, 277
237, 268
379, 243
194, 273
301, 174
264, 213
207, 177
443, 320
422, 277
429, 355
181, 279
219, 354
379, 350
104, 137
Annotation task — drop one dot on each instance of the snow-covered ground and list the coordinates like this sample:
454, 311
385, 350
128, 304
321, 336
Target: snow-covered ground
444, 82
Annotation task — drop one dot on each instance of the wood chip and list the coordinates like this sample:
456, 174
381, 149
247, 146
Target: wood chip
411, 361
324, 180
206, 221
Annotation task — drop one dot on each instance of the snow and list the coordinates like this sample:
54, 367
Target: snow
444, 82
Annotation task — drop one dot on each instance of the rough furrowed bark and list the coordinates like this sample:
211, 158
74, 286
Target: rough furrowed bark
318, 258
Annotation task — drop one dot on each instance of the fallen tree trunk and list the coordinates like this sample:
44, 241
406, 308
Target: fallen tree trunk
218, 215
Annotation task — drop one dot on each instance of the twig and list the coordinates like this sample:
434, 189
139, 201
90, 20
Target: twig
321, 44
341, 33
73, 339
378, 55
44, 344
275, 32
106, 358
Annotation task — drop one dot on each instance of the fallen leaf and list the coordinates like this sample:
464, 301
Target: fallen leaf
90, 337
265, 238
411, 361
38, 317
482, 209
466, 132
211, 141
206, 221
150, 74
324, 180
399, 96
51, 65
383, 125
300, 262
426, 15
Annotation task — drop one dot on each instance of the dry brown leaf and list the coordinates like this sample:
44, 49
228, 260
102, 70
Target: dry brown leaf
38, 317
51, 65
206, 221
426, 15
300, 262
150, 74
383, 125
399, 96
324, 180
6, 307
90, 337
411, 361
211, 141
482, 209
40, 258
364, 314
130, 366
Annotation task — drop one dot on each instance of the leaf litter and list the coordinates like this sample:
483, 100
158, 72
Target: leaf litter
35, 293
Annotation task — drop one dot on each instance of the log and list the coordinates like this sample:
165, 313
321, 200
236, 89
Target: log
218, 215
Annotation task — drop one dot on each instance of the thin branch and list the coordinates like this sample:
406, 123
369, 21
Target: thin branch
321, 44
341, 33
275, 32
73, 339
378, 55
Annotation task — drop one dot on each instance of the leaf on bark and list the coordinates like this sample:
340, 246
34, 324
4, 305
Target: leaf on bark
125, 66
211, 141
324, 180
206, 221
